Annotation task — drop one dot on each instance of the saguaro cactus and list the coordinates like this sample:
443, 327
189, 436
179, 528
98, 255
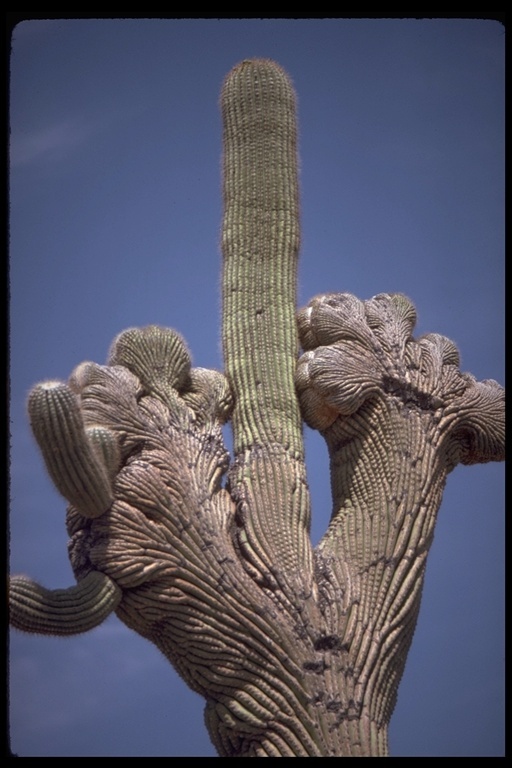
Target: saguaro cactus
297, 651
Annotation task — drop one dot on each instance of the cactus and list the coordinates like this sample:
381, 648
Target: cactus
297, 651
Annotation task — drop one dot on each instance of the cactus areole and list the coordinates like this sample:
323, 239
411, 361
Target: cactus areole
298, 651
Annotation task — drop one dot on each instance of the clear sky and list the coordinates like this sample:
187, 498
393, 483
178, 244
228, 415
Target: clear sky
115, 215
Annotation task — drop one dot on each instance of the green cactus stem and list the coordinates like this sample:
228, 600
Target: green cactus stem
260, 242
71, 611
73, 464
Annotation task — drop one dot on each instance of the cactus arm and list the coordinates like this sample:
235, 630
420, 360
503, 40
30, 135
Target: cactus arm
32, 608
167, 541
397, 415
82, 461
260, 242
71, 459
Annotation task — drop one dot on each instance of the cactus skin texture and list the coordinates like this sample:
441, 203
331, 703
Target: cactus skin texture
298, 652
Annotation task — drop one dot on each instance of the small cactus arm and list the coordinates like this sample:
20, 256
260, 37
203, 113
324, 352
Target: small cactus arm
297, 652
62, 611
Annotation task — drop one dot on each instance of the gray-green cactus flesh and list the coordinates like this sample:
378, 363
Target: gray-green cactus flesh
297, 651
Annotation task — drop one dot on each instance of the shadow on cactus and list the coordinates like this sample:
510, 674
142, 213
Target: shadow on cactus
297, 651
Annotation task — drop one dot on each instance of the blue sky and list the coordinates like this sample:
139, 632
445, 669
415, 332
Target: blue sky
115, 220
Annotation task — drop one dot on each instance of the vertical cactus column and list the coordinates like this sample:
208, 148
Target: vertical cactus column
260, 242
